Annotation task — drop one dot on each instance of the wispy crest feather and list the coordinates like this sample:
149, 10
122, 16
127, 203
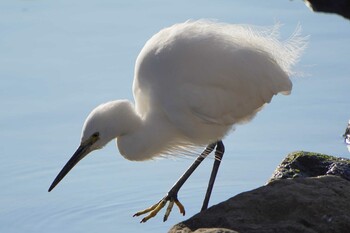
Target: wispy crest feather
265, 38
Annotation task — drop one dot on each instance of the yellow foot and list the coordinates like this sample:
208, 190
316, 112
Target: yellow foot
154, 209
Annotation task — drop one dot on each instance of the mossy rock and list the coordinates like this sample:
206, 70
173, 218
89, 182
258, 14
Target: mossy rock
303, 164
317, 204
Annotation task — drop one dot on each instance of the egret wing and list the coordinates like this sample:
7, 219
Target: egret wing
206, 80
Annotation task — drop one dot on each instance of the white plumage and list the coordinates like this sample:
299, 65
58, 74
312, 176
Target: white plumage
197, 79
193, 83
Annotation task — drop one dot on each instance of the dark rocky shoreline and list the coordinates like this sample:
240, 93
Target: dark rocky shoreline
308, 192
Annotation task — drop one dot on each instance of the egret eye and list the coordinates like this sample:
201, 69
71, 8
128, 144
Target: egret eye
96, 135
94, 138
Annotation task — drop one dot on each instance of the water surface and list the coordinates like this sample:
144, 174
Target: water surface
59, 59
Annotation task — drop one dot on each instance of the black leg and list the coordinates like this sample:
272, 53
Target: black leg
190, 170
171, 197
219, 152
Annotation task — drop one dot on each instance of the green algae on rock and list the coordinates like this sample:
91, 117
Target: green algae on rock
302, 164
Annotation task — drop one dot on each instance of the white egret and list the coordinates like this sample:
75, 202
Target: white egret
193, 83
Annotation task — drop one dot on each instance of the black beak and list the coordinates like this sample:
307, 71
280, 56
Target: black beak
81, 152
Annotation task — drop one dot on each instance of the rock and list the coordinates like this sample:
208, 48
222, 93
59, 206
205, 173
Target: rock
310, 203
341, 7
184, 229
307, 164
307, 205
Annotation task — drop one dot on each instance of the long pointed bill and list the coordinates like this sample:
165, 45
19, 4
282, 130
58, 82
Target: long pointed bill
81, 152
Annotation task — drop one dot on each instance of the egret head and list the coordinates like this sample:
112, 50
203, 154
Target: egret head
104, 123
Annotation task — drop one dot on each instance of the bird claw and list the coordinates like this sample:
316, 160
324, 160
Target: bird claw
154, 209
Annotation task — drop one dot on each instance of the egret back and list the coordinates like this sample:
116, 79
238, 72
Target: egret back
206, 77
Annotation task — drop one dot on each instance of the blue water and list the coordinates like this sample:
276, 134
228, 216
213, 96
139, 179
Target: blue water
59, 59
